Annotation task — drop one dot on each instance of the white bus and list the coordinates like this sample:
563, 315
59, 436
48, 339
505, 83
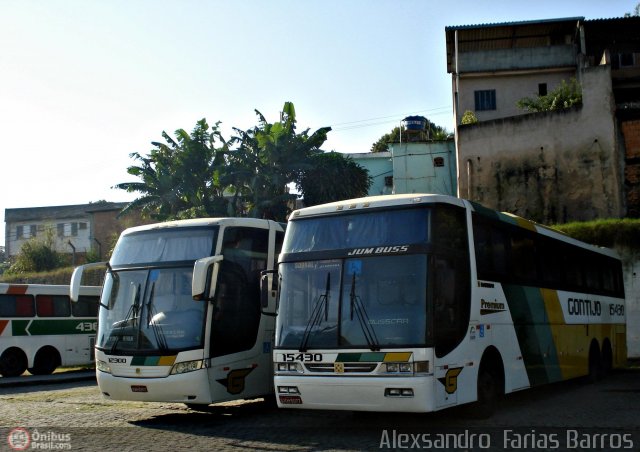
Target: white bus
415, 303
180, 317
40, 329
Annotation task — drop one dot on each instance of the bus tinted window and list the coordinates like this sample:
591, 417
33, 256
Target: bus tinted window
16, 306
86, 306
398, 227
53, 306
506, 253
179, 244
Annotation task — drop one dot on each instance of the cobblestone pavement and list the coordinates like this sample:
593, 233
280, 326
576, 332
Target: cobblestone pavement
566, 416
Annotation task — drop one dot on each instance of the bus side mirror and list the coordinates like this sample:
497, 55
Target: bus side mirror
266, 293
76, 278
200, 272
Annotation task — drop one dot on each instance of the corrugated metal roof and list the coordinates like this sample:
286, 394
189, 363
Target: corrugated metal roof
515, 23
511, 35
58, 212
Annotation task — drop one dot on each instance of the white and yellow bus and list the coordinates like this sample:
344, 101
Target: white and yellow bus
180, 317
40, 329
416, 303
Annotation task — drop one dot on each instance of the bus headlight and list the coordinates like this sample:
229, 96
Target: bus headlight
186, 366
402, 368
103, 367
287, 367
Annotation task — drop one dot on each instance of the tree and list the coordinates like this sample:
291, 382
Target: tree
564, 96
635, 13
268, 158
333, 177
434, 132
181, 178
248, 175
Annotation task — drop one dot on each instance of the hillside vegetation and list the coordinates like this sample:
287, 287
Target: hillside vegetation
622, 234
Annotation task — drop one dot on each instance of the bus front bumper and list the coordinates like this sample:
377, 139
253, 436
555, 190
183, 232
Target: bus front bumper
191, 387
390, 394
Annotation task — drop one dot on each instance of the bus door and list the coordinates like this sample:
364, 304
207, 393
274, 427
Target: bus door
240, 365
451, 308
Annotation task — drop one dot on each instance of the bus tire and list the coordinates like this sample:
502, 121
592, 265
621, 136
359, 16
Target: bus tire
46, 361
607, 357
13, 362
490, 385
595, 362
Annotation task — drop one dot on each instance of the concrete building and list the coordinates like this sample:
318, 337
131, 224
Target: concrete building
419, 166
74, 229
575, 164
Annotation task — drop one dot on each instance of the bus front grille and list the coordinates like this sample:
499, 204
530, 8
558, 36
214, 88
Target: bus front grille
348, 367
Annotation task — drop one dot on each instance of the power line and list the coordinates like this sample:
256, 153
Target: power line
359, 123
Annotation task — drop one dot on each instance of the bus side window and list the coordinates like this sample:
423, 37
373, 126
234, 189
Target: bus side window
16, 306
87, 306
53, 306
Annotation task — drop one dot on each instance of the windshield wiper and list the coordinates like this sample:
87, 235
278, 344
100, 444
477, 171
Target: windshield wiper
131, 317
157, 329
316, 314
363, 318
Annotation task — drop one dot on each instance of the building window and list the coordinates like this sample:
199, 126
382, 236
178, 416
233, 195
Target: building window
485, 99
388, 181
620, 60
26, 231
60, 227
542, 89
438, 162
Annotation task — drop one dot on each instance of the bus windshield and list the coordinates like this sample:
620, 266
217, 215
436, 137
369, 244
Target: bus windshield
373, 294
146, 303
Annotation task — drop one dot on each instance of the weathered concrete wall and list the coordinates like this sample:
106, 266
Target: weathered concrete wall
549, 167
415, 169
632, 292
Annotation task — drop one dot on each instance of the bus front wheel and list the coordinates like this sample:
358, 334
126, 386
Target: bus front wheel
13, 362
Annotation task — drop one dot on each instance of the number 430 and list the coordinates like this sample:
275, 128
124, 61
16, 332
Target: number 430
87, 326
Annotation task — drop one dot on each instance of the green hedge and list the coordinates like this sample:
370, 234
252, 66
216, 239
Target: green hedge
62, 276
622, 234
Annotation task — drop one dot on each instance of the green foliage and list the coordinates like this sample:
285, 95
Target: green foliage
270, 156
194, 176
635, 13
325, 180
61, 276
618, 233
469, 117
435, 133
37, 255
564, 96
179, 174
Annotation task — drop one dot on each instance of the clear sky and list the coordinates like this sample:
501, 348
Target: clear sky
84, 83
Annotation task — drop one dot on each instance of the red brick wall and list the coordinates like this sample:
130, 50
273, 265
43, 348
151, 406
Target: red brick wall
107, 228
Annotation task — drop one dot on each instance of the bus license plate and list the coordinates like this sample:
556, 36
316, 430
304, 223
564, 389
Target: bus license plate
290, 400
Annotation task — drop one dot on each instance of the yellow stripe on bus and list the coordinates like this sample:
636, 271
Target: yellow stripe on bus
397, 357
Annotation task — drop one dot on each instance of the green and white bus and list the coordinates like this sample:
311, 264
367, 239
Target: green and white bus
40, 329
416, 303
180, 317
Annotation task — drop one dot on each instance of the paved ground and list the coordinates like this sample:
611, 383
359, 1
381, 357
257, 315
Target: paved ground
583, 416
